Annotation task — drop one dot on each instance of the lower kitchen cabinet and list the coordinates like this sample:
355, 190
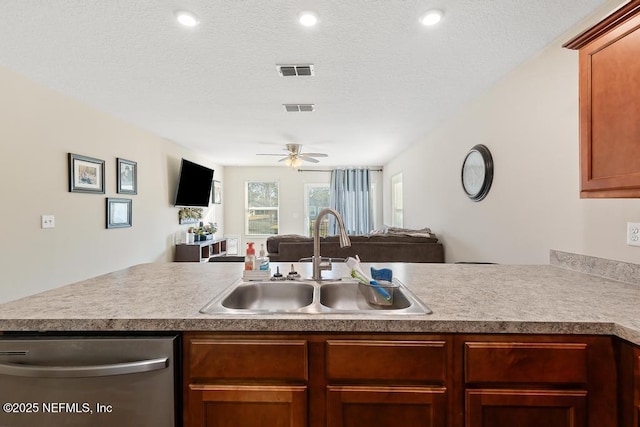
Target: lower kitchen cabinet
387, 382
248, 406
629, 384
636, 400
363, 406
232, 381
315, 380
399, 380
526, 408
527, 381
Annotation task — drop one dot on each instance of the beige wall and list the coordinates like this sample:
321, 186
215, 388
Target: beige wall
291, 188
38, 127
529, 121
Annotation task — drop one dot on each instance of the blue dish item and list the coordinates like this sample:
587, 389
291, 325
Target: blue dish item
385, 274
382, 291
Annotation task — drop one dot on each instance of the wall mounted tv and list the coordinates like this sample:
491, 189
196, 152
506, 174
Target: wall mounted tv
194, 185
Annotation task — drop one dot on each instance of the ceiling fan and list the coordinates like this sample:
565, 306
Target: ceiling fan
296, 156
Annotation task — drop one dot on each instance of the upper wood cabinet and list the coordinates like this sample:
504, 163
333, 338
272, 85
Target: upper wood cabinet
610, 105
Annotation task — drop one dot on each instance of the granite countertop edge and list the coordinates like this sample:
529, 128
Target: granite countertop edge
473, 299
286, 325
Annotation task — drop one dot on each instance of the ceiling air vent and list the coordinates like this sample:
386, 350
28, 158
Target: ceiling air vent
295, 70
294, 108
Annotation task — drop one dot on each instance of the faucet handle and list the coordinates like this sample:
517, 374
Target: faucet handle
325, 264
323, 259
322, 263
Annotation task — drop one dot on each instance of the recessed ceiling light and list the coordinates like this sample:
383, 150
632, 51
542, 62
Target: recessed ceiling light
187, 19
308, 19
432, 17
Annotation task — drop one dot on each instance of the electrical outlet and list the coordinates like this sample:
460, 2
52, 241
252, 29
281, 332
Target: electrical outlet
633, 233
48, 221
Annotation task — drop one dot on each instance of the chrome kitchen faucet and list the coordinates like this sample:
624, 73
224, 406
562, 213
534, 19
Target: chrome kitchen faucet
318, 265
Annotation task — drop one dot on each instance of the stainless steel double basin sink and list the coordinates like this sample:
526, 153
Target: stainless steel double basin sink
309, 297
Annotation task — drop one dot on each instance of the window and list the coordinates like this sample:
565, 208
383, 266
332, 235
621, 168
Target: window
316, 198
397, 209
262, 208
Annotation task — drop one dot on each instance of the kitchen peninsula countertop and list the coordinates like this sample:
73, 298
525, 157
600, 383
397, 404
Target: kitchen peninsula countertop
465, 298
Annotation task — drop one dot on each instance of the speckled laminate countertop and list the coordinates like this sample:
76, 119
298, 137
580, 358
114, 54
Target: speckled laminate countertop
464, 298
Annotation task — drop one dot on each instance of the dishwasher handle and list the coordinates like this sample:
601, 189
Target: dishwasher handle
21, 370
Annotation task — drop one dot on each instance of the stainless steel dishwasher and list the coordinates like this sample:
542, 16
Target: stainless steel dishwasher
88, 381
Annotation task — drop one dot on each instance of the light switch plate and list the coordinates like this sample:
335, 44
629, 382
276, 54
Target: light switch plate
48, 221
633, 233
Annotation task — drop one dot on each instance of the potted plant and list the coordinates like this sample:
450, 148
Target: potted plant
198, 234
210, 230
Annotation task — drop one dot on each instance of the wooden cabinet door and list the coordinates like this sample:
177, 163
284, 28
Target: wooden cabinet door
636, 400
610, 105
526, 408
367, 406
247, 406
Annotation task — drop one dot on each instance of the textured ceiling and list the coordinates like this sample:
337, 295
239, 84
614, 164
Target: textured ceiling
381, 79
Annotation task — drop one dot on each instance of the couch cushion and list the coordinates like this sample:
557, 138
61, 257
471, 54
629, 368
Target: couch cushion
274, 241
368, 252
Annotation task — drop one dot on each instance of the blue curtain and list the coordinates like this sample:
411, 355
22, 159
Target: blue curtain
350, 195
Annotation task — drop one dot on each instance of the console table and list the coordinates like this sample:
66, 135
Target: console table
200, 251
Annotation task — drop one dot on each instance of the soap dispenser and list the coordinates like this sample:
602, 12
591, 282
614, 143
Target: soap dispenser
262, 261
250, 257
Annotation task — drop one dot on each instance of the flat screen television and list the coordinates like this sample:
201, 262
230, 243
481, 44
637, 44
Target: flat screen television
194, 185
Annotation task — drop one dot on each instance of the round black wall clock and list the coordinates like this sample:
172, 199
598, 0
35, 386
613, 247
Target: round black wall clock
477, 172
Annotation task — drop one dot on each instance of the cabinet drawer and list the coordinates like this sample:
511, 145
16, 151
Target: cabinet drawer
398, 361
553, 363
526, 408
282, 360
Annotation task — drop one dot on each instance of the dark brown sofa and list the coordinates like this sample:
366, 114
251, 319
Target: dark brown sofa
373, 248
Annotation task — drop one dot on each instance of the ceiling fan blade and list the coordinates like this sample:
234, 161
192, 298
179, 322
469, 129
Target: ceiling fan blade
294, 155
308, 159
315, 154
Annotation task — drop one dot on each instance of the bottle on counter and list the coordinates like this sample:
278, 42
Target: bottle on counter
250, 257
263, 259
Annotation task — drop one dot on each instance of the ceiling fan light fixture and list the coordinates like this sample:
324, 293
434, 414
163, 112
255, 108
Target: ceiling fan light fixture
187, 18
293, 161
432, 17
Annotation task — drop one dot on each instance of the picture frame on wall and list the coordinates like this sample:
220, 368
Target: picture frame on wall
119, 212
216, 190
233, 244
127, 173
86, 174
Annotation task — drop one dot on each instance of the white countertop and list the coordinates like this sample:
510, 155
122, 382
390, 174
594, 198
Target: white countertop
465, 298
